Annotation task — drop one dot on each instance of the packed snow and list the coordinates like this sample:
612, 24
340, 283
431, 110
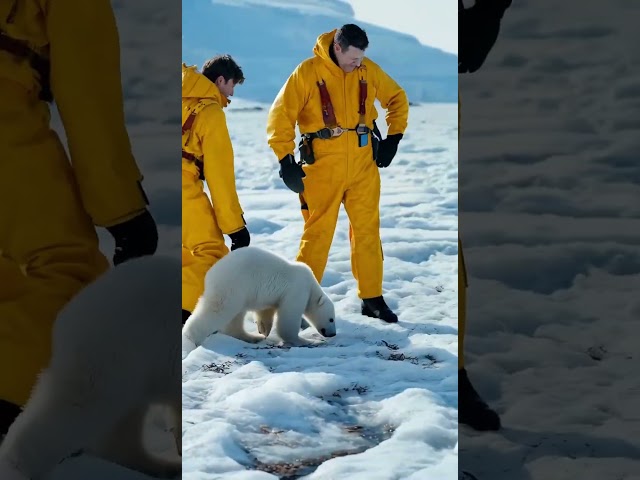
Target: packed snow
377, 401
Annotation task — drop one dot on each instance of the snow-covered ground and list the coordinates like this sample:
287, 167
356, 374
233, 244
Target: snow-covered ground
377, 401
550, 218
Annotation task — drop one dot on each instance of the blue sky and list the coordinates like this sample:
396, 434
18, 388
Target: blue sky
433, 22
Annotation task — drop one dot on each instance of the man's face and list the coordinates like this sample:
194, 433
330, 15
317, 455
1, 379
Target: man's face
225, 87
348, 59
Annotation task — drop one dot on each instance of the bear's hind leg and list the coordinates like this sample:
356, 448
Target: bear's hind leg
211, 315
264, 320
235, 329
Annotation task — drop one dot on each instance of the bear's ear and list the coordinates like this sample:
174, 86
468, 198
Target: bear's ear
321, 300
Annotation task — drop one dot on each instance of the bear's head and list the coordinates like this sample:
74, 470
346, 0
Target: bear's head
321, 313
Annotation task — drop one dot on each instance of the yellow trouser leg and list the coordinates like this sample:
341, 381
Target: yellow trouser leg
361, 202
49, 245
202, 240
323, 196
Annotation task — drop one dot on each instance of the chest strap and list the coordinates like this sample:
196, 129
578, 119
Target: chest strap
199, 163
37, 62
186, 127
332, 129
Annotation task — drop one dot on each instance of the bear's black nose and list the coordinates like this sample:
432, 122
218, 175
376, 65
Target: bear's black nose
323, 332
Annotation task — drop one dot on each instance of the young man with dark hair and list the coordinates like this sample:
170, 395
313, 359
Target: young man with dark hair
330, 96
225, 66
207, 155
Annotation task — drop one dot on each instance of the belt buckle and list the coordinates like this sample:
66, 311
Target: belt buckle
336, 132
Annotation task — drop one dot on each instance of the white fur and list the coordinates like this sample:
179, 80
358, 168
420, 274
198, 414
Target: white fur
115, 353
252, 279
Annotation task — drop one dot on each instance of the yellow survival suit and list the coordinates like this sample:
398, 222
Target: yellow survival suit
343, 172
207, 152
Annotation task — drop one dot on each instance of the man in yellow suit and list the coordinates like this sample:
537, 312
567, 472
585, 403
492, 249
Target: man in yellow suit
65, 51
331, 97
478, 27
207, 155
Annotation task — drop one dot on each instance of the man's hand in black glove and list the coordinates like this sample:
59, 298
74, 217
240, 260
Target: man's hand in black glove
134, 238
292, 174
479, 27
387, 150
240, 239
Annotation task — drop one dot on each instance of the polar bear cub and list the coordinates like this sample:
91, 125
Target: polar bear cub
253, 279
115, 355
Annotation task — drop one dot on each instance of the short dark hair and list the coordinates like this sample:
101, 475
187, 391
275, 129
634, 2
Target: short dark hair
223, 65
351, 35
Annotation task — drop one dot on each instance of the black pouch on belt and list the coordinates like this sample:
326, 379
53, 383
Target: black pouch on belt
306, 150
376, 137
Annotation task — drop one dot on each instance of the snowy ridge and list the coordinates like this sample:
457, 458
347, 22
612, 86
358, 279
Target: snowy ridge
327, 8
270, 38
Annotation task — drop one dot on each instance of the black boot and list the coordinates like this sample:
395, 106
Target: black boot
8, 413
377, 308
185, 314
472, 410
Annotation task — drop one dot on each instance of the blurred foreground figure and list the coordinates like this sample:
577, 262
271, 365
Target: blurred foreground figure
67, 52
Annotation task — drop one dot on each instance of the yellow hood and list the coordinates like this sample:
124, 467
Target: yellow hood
296, 103
322, 49
197, 86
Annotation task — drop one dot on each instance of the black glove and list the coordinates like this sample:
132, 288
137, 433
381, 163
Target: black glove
134, 238
387, 150
478, 28
292, 174
240, 239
